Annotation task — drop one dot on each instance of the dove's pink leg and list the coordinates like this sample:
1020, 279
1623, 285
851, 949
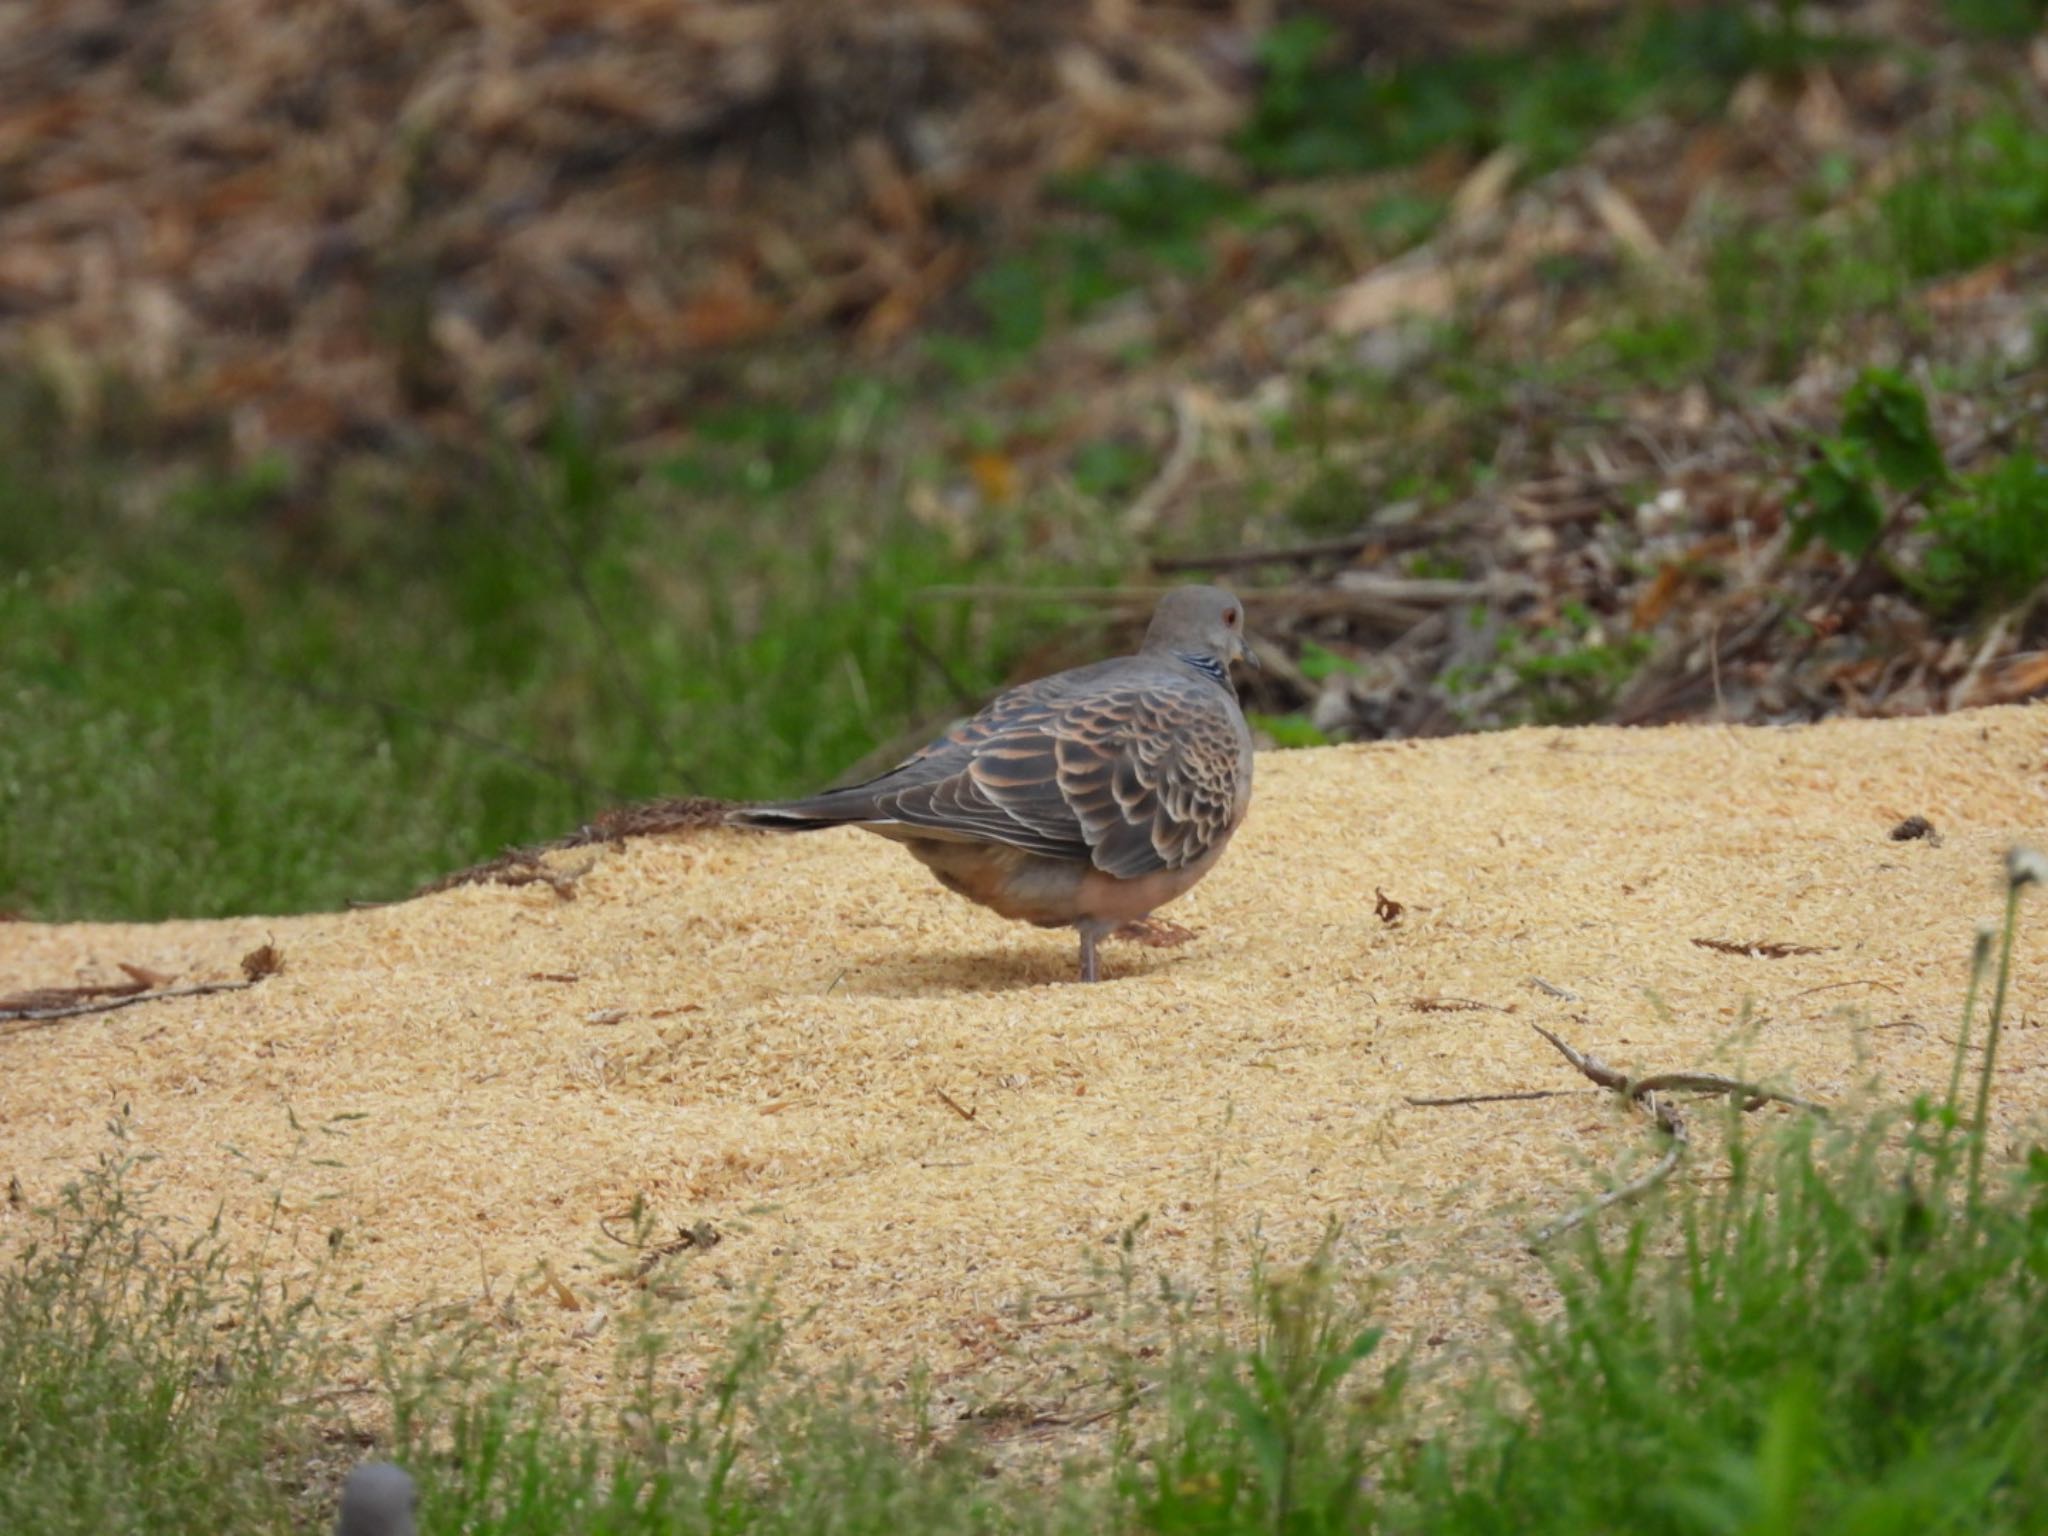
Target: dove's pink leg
1091, 935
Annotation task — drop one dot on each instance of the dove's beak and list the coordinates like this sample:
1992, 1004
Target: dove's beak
1245, 653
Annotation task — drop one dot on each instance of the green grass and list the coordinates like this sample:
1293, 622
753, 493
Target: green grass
1315, 117
146, 1386
212, 714
1846, 1333
1776, 292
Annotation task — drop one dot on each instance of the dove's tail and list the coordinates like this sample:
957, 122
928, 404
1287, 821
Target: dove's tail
837, 809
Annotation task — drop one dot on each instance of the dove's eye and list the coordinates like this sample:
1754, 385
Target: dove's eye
1230, 618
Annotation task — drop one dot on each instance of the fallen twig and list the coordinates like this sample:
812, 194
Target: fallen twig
140, 979
1669, 1122
1282, 554
1830, 986
1763, 949
1445, 1004
1752, 1096
1180, 461
1390, 536
1648, 1091
18, 1021
1591, 1065
1493, 1098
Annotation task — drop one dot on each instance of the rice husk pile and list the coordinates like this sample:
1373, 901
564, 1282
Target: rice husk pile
825, 1075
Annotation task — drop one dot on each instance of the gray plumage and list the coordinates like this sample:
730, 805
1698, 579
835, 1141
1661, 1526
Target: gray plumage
1087, 798
376, 1500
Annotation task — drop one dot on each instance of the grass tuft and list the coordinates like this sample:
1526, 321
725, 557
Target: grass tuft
148, 1383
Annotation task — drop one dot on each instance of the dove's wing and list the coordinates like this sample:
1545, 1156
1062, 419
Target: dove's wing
1133, 766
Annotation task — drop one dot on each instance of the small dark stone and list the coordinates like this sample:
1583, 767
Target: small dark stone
1912, 827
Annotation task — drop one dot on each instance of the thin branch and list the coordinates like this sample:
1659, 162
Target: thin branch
1727, 1087
1390, 536
1493, 1098
1283, 554
1649, 1091
1180, 461
953, 1104
998, 592
1669, 1122
1592, 1066
19, 1021
1830, 986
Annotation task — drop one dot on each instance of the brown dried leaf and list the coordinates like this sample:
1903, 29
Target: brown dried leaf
1385, 908
551, 1285
995, 477
1481, 192
1969, 288
264, 960
2014, 678
1623, 220
1390, 292
1765, 950
1456, 1005
1657, 597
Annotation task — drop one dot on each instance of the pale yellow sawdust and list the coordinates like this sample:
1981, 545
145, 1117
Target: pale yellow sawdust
759, 1031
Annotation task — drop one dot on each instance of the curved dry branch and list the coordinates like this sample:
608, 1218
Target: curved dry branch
1752, 1095
1649, 1092
1673, 1125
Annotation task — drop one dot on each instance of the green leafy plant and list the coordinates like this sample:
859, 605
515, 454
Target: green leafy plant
1295, 730
1886, 437
1573, 669
1837, 500
1984, 538
1988, 545
1319, 662
2016, 19
1887, 414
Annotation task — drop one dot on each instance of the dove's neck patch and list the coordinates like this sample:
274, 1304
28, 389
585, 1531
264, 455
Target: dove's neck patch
1208, 665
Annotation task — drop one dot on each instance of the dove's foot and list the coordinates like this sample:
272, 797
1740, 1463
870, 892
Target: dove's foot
1154, 933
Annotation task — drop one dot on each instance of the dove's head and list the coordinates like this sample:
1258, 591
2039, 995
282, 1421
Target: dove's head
1203, 626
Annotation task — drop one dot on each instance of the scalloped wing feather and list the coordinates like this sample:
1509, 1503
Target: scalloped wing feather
1135, 777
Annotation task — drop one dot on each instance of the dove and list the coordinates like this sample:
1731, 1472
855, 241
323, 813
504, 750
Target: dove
1087, 799
376, 1500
